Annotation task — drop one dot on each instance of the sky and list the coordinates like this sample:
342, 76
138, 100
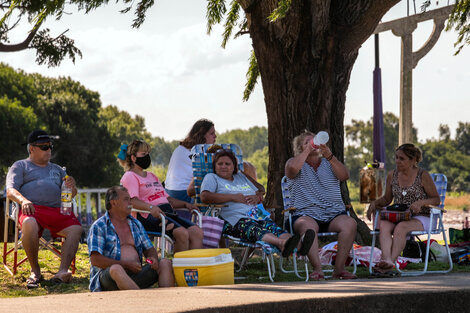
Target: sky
172, 73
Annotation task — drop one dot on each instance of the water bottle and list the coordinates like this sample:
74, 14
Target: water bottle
320, 139
65, 199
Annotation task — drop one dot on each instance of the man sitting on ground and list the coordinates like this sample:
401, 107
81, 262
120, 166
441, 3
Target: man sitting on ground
35, 183
116, 242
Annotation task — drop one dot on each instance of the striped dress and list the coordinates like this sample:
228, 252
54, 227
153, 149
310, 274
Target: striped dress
316, 193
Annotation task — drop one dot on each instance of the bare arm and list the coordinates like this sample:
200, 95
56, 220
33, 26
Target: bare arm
152, 255
218, 198
142, 205
293, 165
27, 206
101, 261
339, 169
177, 204
191, 190
385, 200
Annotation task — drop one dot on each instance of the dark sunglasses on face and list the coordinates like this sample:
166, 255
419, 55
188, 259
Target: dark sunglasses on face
44, 147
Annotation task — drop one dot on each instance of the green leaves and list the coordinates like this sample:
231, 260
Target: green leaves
231, 22
459, 19
281, 10
251, 76
215, 11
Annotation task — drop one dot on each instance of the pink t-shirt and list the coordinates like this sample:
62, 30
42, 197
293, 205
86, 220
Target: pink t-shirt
148, 189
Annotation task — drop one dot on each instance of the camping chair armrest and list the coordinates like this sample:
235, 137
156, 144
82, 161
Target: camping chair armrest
290, 210
436, 209
162, 217
194, 212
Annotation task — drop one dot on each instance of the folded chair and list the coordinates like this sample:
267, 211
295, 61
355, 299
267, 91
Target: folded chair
436, 227
11, 213
288, 211
202, 164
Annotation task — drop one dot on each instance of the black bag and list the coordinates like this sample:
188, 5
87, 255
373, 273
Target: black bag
417, 249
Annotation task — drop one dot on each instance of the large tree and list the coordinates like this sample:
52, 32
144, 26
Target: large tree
305, 52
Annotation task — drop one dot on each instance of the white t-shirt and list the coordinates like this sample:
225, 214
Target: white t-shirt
180, 171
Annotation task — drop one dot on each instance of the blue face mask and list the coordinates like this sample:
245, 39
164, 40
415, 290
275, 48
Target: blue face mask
143, 162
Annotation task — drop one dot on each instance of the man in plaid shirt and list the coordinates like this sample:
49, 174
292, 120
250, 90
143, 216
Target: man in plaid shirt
116, 243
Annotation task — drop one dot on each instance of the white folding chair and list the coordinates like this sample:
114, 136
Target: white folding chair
436, 227
288, 210
161, 238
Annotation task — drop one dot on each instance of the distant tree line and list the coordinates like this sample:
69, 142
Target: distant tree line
90, 135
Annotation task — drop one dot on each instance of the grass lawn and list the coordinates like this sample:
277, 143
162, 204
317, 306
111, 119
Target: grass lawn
255, 272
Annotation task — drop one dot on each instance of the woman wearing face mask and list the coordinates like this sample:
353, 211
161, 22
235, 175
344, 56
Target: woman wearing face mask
147, 193
180, 170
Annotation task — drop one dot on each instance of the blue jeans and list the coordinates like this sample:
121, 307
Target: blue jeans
180, 195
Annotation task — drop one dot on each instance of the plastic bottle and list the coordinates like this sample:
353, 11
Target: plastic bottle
65, 199
320, 138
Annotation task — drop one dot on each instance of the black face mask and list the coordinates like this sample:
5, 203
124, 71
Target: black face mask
143, 162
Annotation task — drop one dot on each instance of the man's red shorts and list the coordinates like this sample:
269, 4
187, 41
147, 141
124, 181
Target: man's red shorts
50, 218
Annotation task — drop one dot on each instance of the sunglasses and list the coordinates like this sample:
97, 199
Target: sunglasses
44, 147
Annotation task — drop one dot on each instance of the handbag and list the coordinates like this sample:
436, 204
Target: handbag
396, 213
212, 228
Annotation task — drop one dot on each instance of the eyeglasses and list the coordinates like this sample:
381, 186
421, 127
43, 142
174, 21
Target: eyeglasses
44, 147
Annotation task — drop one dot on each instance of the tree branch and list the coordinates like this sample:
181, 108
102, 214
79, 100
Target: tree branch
353, 36
20, 46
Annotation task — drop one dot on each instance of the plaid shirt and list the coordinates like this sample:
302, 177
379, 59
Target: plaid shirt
102, 238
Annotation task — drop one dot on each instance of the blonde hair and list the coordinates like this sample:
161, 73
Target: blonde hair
132, 150
298, 142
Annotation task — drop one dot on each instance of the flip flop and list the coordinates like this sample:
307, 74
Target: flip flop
344, 275
291, 245
387, 274
32, 282
316, 276
307, 242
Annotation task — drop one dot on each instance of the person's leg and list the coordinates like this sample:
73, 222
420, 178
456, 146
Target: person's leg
30, 240
121, 278
72, 236
399, 236
346, 227
181, 237
301, 225
196, 235
165, 274
385, 236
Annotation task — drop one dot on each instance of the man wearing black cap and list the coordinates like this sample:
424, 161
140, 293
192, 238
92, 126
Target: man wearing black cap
35, 183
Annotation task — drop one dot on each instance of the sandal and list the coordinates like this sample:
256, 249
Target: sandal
387, 274
291, 245
33, 281
307, 242
316, 276
344, 275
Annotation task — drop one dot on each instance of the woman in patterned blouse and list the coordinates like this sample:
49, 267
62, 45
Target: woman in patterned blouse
407, 184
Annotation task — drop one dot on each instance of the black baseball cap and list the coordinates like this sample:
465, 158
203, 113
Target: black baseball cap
38, 136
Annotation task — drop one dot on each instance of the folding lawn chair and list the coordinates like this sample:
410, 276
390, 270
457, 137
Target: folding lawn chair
202, 165
288, 210
161, 238
436, 227
11, 213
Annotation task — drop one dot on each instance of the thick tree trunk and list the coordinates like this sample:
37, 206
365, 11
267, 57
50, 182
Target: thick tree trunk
305, 61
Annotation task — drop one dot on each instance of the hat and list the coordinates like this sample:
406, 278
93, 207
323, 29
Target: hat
38, 136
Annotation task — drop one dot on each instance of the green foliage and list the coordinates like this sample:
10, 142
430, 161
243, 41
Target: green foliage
16, 121
251, 77
162, 151
281, 10
260, 159
215, 12
250, 140
359, 150
231, 21
445, 155
459, 19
